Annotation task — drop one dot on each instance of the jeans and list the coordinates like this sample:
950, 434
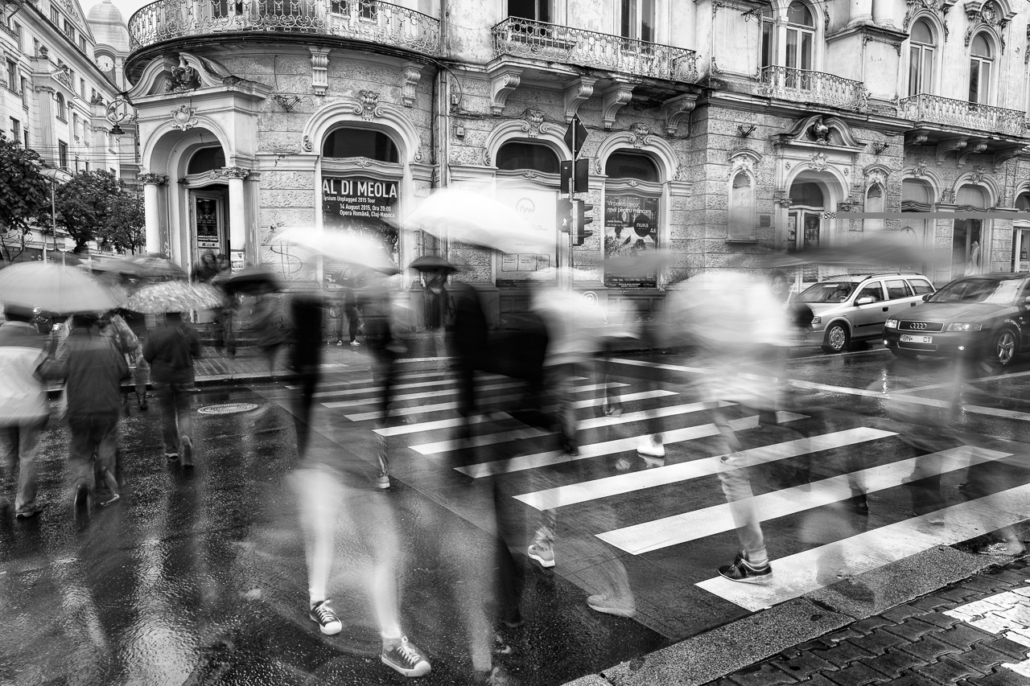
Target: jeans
18, 443
89, 433
176, 420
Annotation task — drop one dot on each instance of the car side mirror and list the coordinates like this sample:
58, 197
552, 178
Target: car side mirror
926, 296
867, 300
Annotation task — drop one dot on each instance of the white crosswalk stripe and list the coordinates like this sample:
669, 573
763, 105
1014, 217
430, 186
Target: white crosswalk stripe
357, 402
642, 536
440, 424
399, 387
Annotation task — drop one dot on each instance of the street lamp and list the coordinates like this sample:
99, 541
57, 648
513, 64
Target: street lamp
54, 175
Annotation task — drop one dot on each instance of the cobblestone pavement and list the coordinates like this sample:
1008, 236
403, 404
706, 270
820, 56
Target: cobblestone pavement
976, 631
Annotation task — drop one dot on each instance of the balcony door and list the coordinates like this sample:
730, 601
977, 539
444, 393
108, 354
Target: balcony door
800, 42
534, 10
981, 61
920, 63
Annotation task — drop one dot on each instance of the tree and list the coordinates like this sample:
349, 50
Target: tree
24, 194
84, 206
126, 229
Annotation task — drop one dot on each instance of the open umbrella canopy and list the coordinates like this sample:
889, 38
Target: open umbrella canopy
428, 263
55, 288
477, 219
343, 245
147, 267
174, 296
252, 280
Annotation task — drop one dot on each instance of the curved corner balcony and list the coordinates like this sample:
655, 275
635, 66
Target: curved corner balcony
539, 40
933, 109
371, 21
803, 85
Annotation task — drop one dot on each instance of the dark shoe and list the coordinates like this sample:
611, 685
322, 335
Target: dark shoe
328, 622
743, 571
859, 504
405, 658
186, 446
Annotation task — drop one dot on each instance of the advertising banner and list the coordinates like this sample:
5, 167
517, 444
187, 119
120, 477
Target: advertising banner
362, 204
538, 207
630, 229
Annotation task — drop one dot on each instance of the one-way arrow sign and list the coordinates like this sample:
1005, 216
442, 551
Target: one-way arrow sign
575, 135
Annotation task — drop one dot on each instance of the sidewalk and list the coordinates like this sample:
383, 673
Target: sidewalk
975, 631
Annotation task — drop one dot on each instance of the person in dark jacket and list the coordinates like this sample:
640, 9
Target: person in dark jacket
170, 351
92, 368
306, 361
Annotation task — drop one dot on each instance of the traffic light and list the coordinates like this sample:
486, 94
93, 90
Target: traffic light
582, 220
564, 215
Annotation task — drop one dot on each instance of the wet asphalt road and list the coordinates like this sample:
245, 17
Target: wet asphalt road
199, 578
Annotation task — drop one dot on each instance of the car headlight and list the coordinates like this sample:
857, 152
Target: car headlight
817, 320
964, 326
891, 324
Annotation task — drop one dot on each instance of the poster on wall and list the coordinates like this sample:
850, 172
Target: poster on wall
538, 207
362, 204
630, 230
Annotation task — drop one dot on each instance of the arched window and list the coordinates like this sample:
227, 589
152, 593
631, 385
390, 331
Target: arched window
874, 203
806, 194
742, 209
517, 155
347, 142
920, 65
800, 41
980, 62
61, 113
206, 159
627, 165
1023, 203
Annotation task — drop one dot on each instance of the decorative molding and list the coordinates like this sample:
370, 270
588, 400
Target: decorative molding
184, 117
183, 77
388, 117
151, 179
948, 195
920, 170
974, 146
744, 159
818, 161
1003, 156
305, 144
820, 129
613, 100
675, 109
978, 173
987, 15
411, 75
319, 70
782, 198
286, 102
880, 147
640, 132
502, 84
232, 172
369, 105
576, 93
660, 148
876, 174
944, 147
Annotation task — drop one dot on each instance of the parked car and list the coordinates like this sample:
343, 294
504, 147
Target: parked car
979, 317
852, 308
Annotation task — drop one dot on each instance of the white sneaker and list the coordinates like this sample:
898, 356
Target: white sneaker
354, 344
651, 446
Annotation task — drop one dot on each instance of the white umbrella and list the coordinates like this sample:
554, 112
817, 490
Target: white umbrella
478, 219
54, 288
348, 246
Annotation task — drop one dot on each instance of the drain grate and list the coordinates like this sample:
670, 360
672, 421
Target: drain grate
228, 408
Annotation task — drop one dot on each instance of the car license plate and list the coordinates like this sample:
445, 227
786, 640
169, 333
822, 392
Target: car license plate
905, 338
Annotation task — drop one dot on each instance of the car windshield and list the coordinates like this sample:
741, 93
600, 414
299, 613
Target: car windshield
827, 292
997, 292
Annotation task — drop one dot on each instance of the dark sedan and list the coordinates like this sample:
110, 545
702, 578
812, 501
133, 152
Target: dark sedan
980, 317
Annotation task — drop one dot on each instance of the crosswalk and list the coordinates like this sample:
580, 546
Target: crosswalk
672, 510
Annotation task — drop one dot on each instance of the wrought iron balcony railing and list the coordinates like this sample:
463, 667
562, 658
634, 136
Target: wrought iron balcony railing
539, 40
968, 115
372, 21
802, 85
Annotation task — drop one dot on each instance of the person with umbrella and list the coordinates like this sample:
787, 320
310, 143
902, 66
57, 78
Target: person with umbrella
170, 351
206, 270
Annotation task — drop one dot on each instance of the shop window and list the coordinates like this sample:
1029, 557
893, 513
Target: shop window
742, 209
206, 159
921, 55
374, 145
625, 165
513, 156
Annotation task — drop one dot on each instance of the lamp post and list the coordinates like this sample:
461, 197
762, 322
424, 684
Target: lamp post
52, 174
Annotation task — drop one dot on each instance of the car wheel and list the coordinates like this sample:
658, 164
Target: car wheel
837, 338
1003, 350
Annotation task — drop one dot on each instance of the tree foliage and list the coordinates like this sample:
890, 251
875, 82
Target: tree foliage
24, 194
85, 206
126, 229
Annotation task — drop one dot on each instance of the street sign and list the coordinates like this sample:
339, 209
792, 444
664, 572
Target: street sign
574, 136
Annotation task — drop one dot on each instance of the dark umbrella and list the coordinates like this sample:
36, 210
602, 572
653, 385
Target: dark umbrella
144, 266
252, 280
429, 263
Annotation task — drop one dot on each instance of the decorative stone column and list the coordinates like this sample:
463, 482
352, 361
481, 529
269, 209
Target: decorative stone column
151, 209
861, 12
237, 208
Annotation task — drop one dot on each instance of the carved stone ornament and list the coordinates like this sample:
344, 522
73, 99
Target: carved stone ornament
503, 84
319, 70
948, 195
675, 109
819, 131
744, 160
369, 105
613, 100
535, 119
411, 75
150, 179
305, 144
577, 93
921, 165
988, 15
818, 161
978, 173
233, 172
184, 117
640, 134
182, 78
876, 177
781, 198
119, 110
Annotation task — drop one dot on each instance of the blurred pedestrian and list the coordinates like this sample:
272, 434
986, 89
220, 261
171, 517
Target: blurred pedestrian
348, 304
112, 324
224, 315
92, 368
376, 302
206, 270
170, 351
438, 308
271, 334
306, 361
23, 408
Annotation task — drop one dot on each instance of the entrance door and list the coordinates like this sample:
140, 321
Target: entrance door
1020, 249
806, 226
207, 222
966, 248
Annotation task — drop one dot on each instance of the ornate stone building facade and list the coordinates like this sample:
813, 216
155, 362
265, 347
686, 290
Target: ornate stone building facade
717, 128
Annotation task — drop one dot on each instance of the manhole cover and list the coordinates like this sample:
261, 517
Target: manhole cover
227, 408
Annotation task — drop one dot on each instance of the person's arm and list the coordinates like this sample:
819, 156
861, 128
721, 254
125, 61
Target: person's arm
55, 367
149, 353
194, 342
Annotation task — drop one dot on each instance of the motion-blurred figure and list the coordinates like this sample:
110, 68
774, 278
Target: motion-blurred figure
270, 334
348, 304
306, 361
376, 302
170, 351
207, 269
223, 328
92, 368
438, 308
23, 408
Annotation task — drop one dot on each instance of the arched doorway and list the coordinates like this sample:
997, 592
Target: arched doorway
1021, 235
805, 222
967, 240
917, 197
207, 203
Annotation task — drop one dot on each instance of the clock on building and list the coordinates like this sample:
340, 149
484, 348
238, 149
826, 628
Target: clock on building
105, 62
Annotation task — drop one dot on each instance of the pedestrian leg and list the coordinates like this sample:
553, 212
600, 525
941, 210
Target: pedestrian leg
106, 428
28, 443
182, 398
9, 440
318, 494
169, 426
80, 466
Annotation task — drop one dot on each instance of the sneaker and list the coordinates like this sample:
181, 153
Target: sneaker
543, 553
186, 446
339, 343
743, 571
612, 606
110, 500
650, 446
171, 457
28, 514
405, 658
354, 344
328, 622
383, 481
